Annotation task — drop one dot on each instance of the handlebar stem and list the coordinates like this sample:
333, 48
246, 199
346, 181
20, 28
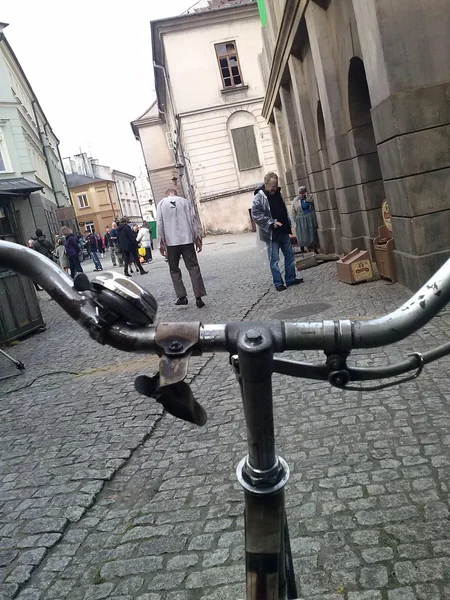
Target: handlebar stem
255, 353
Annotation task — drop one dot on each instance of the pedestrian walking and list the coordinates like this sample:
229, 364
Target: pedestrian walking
128, 247
180, 234
61, 255
270, 214
144, 238
110, 247
115, 249
72, 250
92, 245
42, 245
305, 220
100, 245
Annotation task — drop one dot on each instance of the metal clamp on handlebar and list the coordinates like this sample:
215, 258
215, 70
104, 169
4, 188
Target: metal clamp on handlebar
176, 343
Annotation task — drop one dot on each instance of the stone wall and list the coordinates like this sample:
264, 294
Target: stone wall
360, 105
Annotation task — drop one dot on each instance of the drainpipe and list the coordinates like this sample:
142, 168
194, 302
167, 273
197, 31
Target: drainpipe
32, 212
45, 146
118, 197
64, 175
139, 204
110, 200
179, 141
178, 128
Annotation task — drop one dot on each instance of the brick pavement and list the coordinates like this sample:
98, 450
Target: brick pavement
102, 496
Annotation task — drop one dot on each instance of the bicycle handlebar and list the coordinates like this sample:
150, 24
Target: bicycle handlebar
330, 335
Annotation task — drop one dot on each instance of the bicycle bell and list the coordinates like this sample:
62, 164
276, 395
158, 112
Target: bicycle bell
116, 294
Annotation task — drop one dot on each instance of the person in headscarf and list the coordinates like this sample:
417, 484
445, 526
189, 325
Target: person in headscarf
305, 220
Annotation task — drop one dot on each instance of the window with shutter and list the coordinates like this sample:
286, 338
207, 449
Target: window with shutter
245, 148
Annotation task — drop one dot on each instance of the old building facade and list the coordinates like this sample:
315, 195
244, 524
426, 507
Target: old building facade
95, 201
205, 134
358, 103
33, 189
82, 164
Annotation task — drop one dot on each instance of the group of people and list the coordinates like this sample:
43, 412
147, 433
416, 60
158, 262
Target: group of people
180, 235
128, 246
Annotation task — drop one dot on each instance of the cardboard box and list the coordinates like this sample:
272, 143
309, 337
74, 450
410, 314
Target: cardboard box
355, 267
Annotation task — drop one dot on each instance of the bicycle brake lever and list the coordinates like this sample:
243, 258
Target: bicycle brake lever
177, 398
340, 379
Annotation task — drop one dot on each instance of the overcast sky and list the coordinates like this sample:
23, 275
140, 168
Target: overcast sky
90, 65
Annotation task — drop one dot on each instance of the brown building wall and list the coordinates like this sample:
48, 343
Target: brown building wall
103, 205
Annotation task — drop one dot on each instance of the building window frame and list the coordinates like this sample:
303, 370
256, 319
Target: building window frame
5, 162
83, 201
225, 55
248, 150
90, 226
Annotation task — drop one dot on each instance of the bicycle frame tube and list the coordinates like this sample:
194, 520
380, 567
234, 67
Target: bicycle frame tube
261, 473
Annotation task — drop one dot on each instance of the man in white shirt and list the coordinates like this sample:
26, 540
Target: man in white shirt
180, 234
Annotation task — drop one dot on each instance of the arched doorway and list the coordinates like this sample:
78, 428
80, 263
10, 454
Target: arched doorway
366, 218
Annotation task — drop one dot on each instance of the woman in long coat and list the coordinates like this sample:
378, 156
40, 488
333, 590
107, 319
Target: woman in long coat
305, 220
128, 246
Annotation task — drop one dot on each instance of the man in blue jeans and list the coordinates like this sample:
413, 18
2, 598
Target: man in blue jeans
270, 214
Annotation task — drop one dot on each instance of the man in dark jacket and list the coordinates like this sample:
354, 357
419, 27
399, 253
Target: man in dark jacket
72, 250
270, 214
128, 246
43, 245
115, 250
93, 246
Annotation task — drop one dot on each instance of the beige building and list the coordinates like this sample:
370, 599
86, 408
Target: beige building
358, 99
205, 133
82, 164
95, 202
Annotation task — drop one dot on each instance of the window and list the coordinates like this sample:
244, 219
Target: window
4, 158
228, 60
245, 147
90, 227
83, 200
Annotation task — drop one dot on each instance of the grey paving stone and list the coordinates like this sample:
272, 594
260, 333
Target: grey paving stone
406, 593
99, 592
374, 577
182, 562
373, 555
214, 576
124, 568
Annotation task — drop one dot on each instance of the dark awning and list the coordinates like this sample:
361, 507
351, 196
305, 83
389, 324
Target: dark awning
18, 186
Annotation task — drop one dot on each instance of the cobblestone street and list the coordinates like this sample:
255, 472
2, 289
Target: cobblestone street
104, 496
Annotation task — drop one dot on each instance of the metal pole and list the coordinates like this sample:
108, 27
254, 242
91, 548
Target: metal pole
261, 473
255, 362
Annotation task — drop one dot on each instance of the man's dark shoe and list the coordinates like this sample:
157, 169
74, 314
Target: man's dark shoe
143, 272
199, 302
296, 282
127, 274
181, 301
280, 288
